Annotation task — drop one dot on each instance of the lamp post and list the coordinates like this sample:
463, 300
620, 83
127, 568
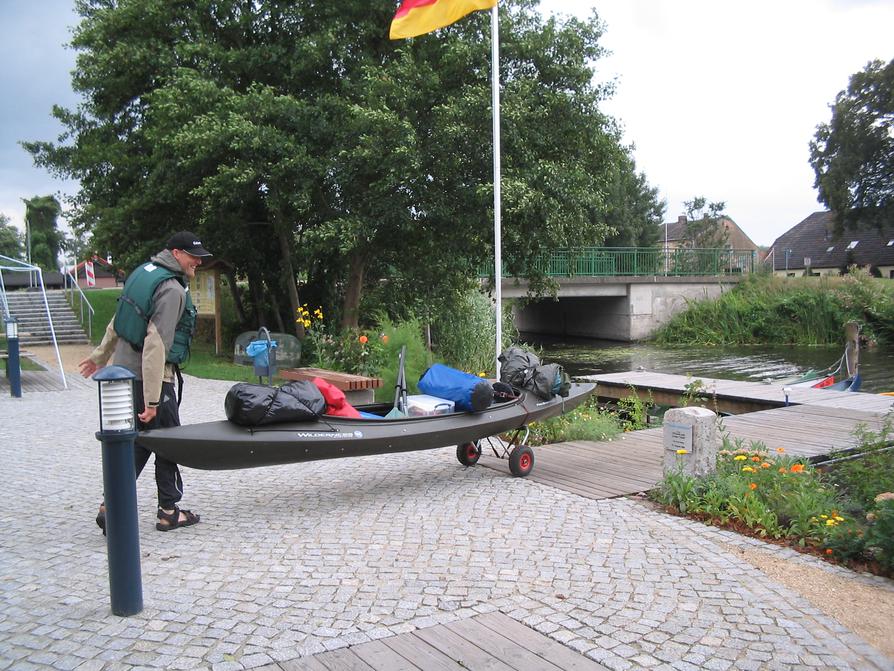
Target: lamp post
117, 430
786, 391
13, 364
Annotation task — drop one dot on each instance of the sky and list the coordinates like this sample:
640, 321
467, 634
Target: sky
719, 98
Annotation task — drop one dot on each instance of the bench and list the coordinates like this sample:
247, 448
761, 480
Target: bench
358, 389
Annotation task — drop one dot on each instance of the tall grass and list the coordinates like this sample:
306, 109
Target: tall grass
800, 311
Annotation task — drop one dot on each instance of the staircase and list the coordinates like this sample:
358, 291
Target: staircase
34, 328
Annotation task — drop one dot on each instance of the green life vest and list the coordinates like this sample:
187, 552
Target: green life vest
135, 307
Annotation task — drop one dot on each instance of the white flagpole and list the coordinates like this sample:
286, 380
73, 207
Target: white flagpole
498, 235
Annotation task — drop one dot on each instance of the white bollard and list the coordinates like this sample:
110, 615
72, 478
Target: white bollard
691, 441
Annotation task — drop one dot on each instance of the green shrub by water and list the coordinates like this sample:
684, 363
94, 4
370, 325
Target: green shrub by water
799, 311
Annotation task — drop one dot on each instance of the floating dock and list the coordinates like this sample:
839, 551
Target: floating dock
815, 423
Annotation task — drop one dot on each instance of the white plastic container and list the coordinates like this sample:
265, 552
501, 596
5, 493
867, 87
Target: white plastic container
423, 405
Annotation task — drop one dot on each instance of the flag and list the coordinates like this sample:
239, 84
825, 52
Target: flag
417, 17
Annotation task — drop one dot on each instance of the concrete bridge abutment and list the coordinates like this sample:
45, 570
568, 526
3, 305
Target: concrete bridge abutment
625, 309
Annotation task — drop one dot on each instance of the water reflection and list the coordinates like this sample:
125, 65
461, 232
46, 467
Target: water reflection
587, 357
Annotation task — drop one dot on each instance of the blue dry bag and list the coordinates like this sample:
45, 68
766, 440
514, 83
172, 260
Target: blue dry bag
469, 392
259, 351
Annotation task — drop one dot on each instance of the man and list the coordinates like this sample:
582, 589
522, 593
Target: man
150, 335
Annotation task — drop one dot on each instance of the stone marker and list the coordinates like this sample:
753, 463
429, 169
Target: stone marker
690, 440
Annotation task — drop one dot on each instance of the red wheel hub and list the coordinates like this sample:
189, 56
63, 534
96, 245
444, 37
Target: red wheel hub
525, 462
471, 451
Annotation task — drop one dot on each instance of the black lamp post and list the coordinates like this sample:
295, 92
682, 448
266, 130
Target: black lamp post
117, 430
13, 364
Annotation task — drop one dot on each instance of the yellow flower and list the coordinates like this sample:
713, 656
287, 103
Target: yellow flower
824, 517
748, 469
831, 523
740, 457
681, 451
838, 518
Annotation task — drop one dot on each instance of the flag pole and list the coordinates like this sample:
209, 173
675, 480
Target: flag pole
498, 234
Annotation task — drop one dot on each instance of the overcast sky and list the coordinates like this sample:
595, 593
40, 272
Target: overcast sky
719, 98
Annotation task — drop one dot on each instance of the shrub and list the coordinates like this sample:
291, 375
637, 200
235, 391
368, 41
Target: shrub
586, 422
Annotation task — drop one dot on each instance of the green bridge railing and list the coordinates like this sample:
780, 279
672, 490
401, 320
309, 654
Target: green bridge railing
632, 261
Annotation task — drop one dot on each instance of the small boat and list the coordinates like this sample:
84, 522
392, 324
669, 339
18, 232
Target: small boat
848, 365
223, 445
852, 383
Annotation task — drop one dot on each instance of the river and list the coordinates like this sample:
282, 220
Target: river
588, 357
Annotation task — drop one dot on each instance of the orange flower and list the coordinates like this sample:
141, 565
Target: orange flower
782, 470
755, 458
765, 465
363, 339
385, 338
828, 551
752, 486
780, 450
797, 468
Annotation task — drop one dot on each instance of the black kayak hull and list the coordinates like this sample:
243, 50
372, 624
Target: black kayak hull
223, 445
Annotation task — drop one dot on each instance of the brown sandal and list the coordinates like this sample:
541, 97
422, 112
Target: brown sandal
173, 520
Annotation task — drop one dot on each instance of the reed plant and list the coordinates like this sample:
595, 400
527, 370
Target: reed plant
800, 311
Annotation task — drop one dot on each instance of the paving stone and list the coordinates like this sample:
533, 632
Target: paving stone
340, 552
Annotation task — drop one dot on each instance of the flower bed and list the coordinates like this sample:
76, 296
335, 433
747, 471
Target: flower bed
772, 495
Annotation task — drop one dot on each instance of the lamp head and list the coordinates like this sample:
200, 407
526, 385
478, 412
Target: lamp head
116, 412
12, 327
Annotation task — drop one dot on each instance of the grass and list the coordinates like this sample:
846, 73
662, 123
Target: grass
801, 311
587, 422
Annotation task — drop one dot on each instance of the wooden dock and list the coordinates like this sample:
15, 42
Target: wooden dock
494, 642
819, 423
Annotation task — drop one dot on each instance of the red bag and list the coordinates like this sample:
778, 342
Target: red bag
336, 403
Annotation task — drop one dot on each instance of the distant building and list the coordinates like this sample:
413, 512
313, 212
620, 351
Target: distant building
676, 234
813, 247
107, 276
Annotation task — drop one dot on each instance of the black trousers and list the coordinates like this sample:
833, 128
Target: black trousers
167, 475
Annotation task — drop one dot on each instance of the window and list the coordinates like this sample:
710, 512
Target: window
829, 250
853, 244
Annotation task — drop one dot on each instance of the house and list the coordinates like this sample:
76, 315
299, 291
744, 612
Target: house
676, 234
812, 247
107, 276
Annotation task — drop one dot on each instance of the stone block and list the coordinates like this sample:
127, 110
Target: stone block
691, 441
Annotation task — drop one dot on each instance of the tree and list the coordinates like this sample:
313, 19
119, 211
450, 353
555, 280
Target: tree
853, 154
43, 238
309, 149
633, 208
706, 224
11, 240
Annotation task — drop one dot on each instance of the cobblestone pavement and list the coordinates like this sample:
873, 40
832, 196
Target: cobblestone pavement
294, 560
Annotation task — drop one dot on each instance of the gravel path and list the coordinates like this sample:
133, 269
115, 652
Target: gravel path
297, 559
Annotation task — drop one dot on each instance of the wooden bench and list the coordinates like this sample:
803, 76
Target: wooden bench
358, 388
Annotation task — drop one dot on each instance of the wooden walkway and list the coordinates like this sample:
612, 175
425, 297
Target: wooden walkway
493, 642
824, 422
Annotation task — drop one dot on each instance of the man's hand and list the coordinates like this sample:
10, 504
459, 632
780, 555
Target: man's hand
148, 414
88, 367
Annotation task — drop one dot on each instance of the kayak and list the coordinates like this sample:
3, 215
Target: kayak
848, 384
224, 445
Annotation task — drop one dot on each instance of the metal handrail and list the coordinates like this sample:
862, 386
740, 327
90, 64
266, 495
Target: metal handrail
3, 300
71, 283
641, 261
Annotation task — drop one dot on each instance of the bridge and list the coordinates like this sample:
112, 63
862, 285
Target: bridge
623, 293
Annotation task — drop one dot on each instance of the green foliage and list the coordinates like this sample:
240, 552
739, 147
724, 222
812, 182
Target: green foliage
12, 243
302, 145
853, 154
705, 224
773, 495
861, 480
586, 422
633, 412
464, 331
104, 302
418, 360
801, 311
42, 236
633, 208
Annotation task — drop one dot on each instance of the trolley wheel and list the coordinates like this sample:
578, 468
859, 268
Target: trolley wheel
468, 454
521, 461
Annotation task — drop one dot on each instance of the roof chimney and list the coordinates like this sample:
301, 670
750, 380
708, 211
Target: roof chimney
681, 219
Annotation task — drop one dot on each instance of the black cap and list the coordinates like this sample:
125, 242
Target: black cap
187, 242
